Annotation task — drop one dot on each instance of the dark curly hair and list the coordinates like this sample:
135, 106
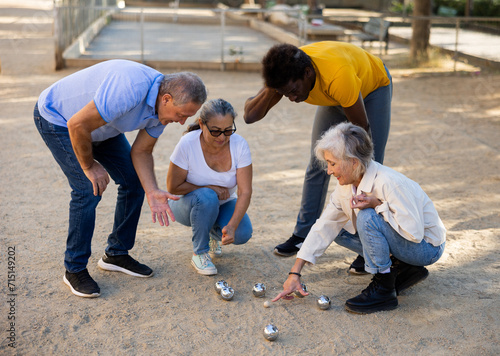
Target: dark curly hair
282, 63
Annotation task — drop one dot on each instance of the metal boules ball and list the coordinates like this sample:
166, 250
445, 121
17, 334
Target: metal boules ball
259, 290
297, 293
227, 293
271, 332
219, 285
323, 302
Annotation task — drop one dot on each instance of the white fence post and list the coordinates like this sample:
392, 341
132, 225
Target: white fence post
222, 33
455, 57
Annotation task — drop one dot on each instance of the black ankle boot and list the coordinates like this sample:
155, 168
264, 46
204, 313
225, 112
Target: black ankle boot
407, 275
379, 295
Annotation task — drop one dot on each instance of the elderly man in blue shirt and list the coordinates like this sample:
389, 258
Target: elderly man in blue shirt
82, 119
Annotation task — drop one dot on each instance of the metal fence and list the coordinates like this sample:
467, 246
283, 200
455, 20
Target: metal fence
475, 39
469, 39
201, 38
72, 18
223, 48
177, 35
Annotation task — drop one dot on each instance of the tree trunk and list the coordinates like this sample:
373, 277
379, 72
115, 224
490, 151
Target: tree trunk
313, 6
421, 30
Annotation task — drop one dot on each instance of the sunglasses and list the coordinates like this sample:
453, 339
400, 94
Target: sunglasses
217, 133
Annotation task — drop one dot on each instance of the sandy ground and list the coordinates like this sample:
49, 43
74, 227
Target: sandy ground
445, 135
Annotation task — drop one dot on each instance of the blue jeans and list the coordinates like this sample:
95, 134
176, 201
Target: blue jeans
114, 155
376, 240
315, 188
200, 209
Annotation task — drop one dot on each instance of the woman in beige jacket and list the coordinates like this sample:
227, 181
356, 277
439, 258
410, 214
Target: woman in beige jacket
387, 218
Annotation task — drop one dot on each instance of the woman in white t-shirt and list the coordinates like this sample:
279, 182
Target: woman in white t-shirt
211, 167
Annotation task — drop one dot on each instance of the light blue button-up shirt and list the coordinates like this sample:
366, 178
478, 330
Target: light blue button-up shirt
124, 93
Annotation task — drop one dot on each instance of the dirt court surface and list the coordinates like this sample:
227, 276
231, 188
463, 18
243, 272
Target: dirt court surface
445, 135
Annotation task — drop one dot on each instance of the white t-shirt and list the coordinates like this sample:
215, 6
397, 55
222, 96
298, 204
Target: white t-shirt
188, 155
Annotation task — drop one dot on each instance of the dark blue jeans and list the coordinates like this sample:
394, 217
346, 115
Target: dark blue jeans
315, 188
114, 155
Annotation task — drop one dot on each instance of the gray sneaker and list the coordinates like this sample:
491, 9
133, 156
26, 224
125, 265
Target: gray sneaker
203, 264
215, 248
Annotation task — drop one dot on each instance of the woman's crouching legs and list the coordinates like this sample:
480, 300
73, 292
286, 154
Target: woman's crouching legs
381, 292
373, 231
243, 232
198, 209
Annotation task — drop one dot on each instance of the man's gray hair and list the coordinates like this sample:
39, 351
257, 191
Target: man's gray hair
185, 87
346, 141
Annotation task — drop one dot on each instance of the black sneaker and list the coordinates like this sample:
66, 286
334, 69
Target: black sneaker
357, 266
408, 275
82, 284
125, 264
290, 247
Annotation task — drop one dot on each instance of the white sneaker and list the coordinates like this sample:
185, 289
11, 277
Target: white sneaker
215, 248
203, 264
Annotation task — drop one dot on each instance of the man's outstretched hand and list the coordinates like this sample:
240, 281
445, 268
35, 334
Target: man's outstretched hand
160, 210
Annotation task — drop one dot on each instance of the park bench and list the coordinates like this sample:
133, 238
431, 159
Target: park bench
372, 32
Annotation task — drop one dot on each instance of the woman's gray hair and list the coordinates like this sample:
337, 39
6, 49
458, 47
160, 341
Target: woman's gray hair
346, 141
185, 87
213, 108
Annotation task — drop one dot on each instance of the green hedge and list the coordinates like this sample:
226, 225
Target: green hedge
481, 8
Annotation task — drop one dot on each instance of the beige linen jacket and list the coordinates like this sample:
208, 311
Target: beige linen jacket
405, 206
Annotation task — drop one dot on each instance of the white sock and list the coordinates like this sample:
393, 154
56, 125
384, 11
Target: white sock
388, 270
